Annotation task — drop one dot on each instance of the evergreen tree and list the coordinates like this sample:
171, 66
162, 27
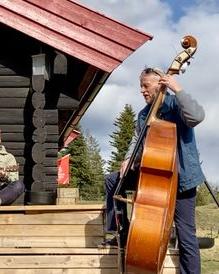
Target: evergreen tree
80, 166
95, 191
87, 171
121, 137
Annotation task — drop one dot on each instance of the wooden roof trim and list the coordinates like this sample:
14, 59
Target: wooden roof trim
69, 30
84, 34
94, 21
57, 41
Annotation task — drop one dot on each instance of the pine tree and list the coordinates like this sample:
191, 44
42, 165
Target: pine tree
80, 167
87, 172
121, 137
95, 191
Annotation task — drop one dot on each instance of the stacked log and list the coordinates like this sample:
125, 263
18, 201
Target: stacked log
45, 146
29, 132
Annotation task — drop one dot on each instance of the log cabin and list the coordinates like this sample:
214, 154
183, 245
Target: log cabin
54, 58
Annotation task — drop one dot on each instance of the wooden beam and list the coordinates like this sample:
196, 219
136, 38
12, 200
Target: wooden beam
53, 242
57, 218
64, 271
54, 208
87, 80
58, 261
14, 81
59, 250
15, 92
51, 230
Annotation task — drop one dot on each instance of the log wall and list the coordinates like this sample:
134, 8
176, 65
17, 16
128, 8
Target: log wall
29, 119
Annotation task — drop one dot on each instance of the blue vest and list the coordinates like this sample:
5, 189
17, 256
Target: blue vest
190, 172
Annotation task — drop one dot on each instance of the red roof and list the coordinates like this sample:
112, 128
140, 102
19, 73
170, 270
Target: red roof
74, 29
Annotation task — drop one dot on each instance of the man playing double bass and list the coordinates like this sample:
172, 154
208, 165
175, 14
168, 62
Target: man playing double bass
181, 109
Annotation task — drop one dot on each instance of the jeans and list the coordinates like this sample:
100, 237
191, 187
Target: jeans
11, 192
184, 221
111, 182
184, 218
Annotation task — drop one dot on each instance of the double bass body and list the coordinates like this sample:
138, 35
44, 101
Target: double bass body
154, 204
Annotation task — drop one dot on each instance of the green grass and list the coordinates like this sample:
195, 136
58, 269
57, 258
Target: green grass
210, 259
207, 217
207, 220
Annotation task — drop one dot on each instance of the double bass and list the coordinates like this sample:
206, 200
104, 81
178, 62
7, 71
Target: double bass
154, 202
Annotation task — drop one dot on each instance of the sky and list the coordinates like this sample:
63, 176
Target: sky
168, 21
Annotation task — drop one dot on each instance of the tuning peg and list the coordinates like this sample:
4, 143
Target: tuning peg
184, 66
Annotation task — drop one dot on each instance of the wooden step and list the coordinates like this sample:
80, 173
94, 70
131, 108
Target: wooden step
59, 239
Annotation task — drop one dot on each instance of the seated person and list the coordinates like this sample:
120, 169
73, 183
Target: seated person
10, 186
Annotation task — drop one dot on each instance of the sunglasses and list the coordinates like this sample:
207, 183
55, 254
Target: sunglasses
153, 70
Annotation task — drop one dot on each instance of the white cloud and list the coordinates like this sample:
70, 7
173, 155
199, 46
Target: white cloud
201, 78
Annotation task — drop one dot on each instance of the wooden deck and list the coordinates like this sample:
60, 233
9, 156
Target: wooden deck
58, 239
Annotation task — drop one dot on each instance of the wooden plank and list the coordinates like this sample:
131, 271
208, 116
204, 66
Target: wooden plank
16, 116
167, 270
19, 137
50, 37
77, 271
62, 271
50, 129
63, 192
53, 242
93, 217
66, 201
86, 81
22, 145
48, 162
95, 22
54, 208
12, 102
46, 250
13, 92
14, 81
51, 230
72, 31
50, 153
61, 261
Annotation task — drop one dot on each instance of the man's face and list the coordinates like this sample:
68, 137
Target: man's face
149, 86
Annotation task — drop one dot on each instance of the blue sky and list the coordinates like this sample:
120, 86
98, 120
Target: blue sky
179, 8
168, 21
